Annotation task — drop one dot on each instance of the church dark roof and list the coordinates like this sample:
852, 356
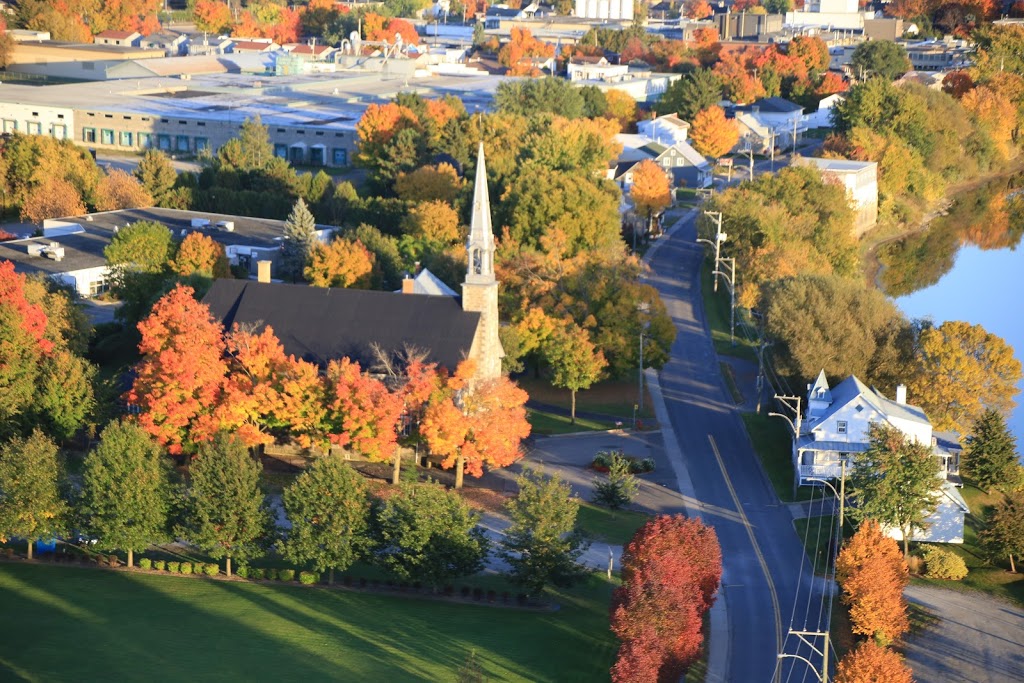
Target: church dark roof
319, 325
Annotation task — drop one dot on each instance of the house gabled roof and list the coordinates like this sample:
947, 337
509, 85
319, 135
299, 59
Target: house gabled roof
851, 389
431, 285
820, 389
116, 35
655, 149
673, 120
777, 105
320, 325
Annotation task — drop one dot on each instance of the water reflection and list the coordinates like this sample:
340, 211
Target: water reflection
989, 217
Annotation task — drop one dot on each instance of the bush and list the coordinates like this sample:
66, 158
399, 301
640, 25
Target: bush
113, 561
602, 462
185, 568
257, 573
159, 565
145, 563
242, 572
211, 569
308, 578
286, 575
173, 567
944, 564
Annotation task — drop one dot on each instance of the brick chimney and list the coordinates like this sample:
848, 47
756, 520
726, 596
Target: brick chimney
263, 271
408, 284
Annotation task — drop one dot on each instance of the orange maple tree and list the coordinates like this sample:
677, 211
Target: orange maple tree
342, 263
872, 572
178, 382
712, 133
518, 54
651, 190
361, 413
212, 16
697, 9
121, 190
380, 122
473, 422
53, 198
869, 662
200, 254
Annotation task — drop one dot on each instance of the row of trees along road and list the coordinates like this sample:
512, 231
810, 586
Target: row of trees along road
131, 498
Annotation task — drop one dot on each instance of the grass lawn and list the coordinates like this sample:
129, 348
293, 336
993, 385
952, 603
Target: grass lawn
772, 442
65, 623
614, 398
716, 308
609, 526
549, 423
984, 575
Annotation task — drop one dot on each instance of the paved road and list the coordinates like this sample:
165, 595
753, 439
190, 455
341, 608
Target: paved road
765, 568
977, 639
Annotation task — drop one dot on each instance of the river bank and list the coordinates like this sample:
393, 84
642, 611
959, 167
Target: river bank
882, 235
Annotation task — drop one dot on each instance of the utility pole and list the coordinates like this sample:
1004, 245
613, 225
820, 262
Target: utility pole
803, 636
719, 238
842, 496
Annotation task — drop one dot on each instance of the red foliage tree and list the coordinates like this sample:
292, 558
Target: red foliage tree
475, 422
671, 571
831, 83
361, 413
957, 83
178, 382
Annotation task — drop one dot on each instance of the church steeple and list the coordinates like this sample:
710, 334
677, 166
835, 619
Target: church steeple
480, 290
480, 245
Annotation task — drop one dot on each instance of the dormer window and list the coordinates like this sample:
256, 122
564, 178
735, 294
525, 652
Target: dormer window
841, 426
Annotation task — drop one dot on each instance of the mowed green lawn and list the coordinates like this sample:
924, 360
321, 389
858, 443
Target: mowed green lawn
66, 623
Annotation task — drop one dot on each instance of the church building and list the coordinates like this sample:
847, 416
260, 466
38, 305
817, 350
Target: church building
320, 325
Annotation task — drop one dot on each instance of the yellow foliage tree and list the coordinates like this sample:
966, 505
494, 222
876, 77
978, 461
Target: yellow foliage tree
429, 183
433, 221
120, 190
200, 254
713, 135
621, 108
53, 198
342, 263
996, 113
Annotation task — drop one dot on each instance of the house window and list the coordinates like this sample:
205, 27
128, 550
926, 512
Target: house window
127, 139
841, 426
145, 140
97, 287
666, 162
339, 157
106, 136
680, 161
33, 127
88, 134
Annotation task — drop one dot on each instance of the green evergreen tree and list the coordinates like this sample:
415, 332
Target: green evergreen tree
1004, 535
426, 533
619, 488
479, 37
990, 458
542, 545
126, 490
226, 511
693, 92
299, 241
31, 506
252, 150
157, 175
895, 482
329, 511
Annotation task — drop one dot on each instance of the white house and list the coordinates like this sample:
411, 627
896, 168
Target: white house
778, 116
822, 116
583, 69
121, 38
668, 129
612, 10
836, 426
172, 43
860, 178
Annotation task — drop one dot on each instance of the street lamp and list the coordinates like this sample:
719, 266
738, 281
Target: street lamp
840, 494
719, 238
730, 279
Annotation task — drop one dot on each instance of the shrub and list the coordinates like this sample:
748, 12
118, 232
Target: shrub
211, 569
145, 563
944, 564
602, 462
286, 575
308, 578
185, 568
113, 561
173, 567
159, 565
242, 572
257, 574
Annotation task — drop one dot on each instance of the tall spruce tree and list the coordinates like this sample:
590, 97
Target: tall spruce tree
990, 458
157, 175
299, 240
31, 506
227, 514
126, 490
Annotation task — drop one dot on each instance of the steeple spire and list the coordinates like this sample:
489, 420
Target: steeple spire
480, 245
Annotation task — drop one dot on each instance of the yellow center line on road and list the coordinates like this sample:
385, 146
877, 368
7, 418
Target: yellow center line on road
753, 541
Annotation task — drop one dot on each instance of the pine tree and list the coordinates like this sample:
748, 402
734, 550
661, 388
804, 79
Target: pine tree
1004, 534
156, 174
126, 490
227, 514
299, 241
542, 544
990, 458
30, 503
619, 488
329, 512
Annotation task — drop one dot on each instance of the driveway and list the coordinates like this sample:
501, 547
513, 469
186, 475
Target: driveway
977, 639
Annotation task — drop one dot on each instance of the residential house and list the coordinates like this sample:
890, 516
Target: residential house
173, 44
211, 46
779, 116
668, 129
119, 38
836, 427
611, 10
253, 47
822, 116
594, 68
498, 13
314, 52
682, 162
860, 178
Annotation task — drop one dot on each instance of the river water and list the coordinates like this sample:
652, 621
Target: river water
967, 267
